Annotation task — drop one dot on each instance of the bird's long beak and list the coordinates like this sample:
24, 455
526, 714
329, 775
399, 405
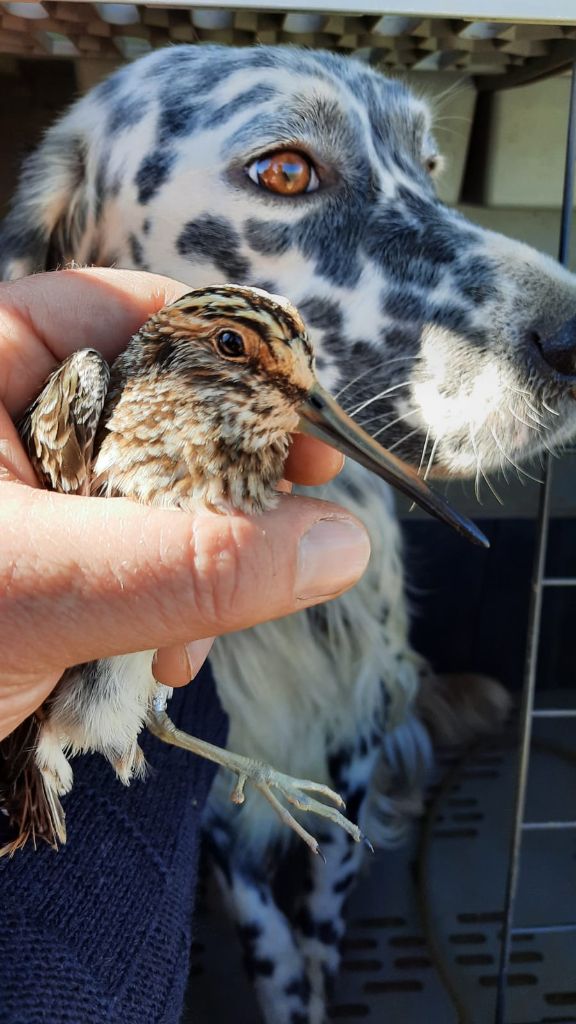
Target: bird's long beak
323, 418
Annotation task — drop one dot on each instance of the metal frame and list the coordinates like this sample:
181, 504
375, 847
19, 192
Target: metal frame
540, 582
477, 10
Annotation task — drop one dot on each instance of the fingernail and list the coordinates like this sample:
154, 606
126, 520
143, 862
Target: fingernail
197, 652
332, 556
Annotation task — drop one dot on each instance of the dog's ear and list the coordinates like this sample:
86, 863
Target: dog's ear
48, 214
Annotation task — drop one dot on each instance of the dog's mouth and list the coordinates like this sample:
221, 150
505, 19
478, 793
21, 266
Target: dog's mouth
454, 411
491, 414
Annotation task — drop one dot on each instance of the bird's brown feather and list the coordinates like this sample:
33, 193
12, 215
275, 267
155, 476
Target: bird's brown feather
60, 427
58, 431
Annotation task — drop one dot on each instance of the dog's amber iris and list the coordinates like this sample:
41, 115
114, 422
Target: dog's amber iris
285, 172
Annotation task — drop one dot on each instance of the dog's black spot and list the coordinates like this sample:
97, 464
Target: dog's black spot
152, 173
325, 838
271, 238
146, 225
331, 238
404, 304
310, 928
410, 250
476, 279
300, 987
344, 883
354, 802
305, 923
327, 933
348, 855
321, 313
454, 318
257, 94
249, 933
136, 251
106, 90
362, 746
100, 188
266, 286
177, 119
126, 113
195, 68
214, 240
263, 966
338, 762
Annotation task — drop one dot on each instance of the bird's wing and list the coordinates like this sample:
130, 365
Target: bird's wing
59, 428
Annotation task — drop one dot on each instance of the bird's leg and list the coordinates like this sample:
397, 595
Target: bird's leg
262, 776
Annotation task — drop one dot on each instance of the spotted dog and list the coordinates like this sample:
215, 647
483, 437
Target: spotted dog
311, 175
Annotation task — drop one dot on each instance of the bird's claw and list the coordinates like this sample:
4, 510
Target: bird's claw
264, 778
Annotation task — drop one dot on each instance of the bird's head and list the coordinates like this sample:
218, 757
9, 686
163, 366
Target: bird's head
233, 367
245, 354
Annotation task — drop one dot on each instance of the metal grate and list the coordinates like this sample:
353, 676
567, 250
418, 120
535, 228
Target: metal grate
400, 965
116, 31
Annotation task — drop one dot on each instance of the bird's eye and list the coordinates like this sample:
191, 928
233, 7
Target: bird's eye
230, 344
286, 172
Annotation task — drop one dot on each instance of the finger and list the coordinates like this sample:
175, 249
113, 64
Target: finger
176, 666
14, 462
83, 578
311, 462
46, 317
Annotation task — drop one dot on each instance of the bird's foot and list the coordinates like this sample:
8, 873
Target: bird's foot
264, 778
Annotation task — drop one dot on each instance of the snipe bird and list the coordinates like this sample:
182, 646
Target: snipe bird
197, 411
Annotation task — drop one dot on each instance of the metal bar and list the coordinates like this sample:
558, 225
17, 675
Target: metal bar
543, 826
559, 581
560, 58
545, 929
529, 688
535, 615
554, 713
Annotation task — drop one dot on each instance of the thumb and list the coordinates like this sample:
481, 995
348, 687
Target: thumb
85, 578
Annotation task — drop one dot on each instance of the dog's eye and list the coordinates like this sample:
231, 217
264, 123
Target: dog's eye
432, 164
230, 344
286, 172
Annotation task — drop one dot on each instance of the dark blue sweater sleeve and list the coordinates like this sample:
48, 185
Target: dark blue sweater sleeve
100, 932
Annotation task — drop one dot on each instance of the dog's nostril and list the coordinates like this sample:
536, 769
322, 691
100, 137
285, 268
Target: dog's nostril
557, 350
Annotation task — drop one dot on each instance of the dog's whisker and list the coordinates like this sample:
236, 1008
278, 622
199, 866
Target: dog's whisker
350, 383
530, 426
373, 369
403, 439
480, 472
516, 390
421, 463
514, 464
431, 459
382, 430
553, 412
377, 398
477, 476
533, 414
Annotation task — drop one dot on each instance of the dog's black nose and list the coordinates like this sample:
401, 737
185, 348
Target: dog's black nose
558, 350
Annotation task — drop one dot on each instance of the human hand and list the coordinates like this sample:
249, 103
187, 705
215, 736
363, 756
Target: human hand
87, 578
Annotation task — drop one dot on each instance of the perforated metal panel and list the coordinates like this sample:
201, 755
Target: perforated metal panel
388, 973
